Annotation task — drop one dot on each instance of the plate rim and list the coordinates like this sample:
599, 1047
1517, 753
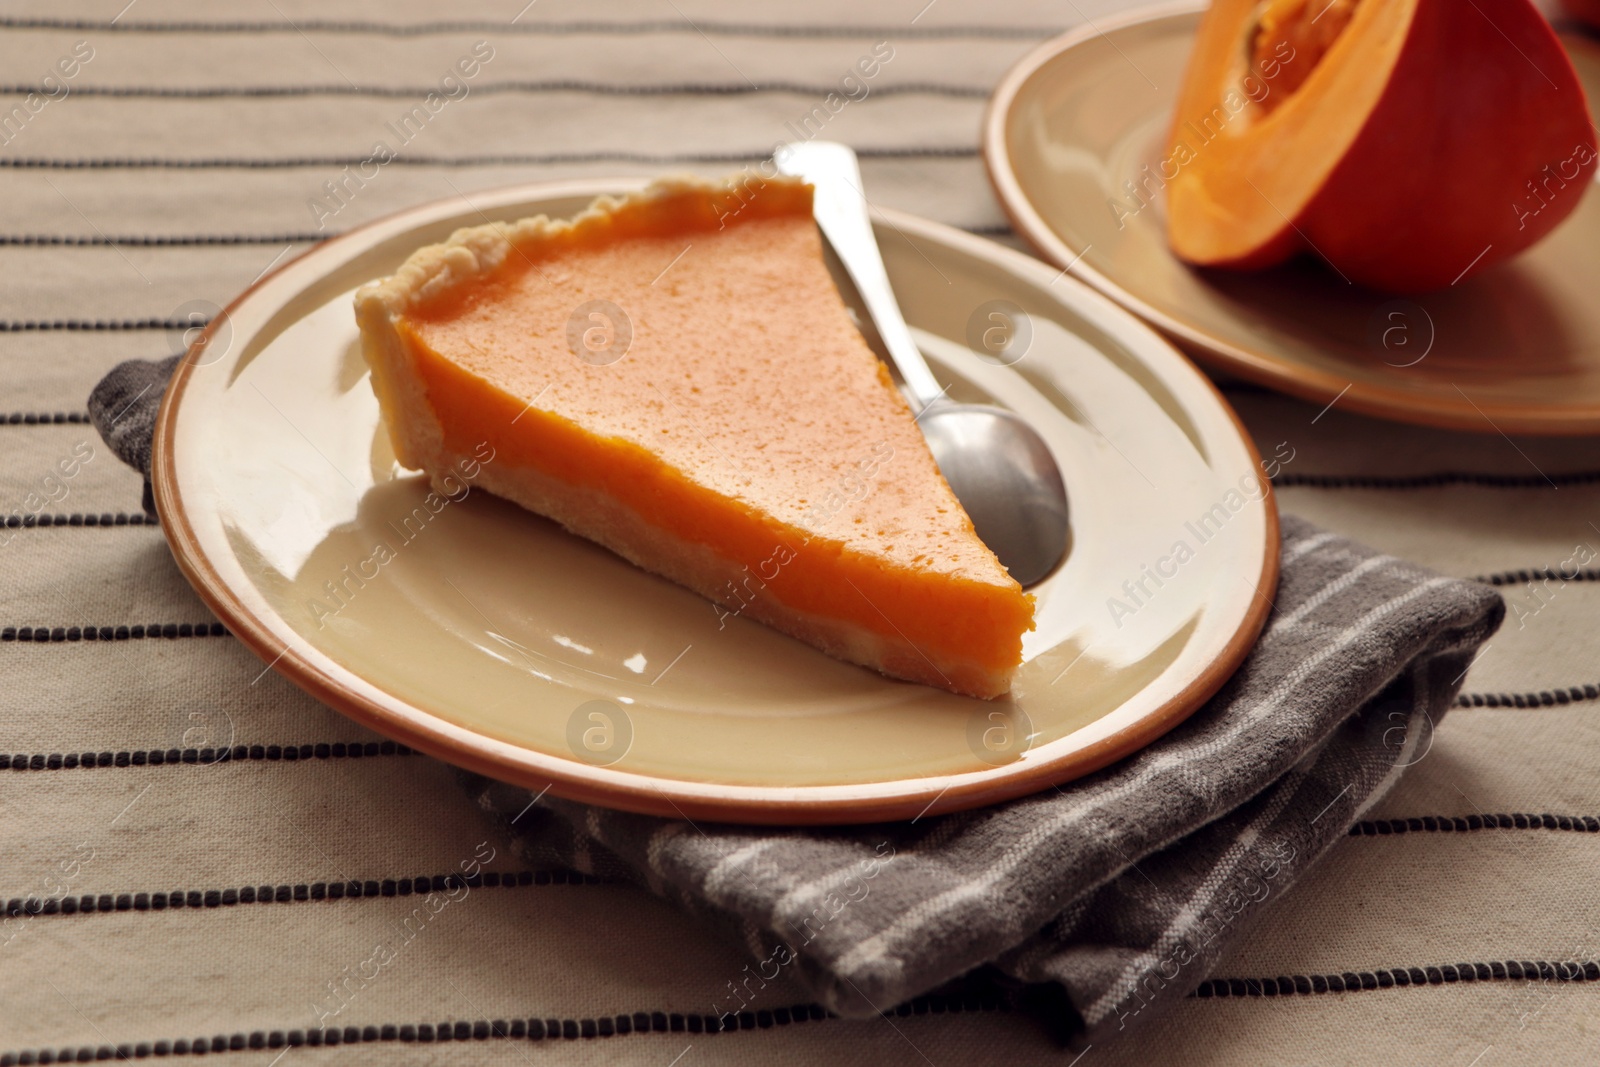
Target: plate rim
1254, 365
463, 747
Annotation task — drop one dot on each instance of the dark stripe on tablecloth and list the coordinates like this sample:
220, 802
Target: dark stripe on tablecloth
77, 520
558, 85
1539, 574
494, 160
157, 630
1401, 978
93, 325
43, 418
284, 893
530, 1029
202, 757
553, 29
1543, 698
1461, 824
201, 240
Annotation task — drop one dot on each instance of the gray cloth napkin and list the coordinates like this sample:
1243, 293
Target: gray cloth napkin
1102, 899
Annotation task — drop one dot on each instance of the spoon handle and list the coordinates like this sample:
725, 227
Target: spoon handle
840, 208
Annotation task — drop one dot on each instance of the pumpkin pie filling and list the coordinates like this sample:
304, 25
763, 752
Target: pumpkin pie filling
675, 376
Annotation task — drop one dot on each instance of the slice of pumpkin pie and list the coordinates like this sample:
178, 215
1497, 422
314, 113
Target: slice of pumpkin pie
674, 375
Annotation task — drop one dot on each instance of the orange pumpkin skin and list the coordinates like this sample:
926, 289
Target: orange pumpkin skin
1468, 154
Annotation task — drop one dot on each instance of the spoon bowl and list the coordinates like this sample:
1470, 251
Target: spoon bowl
1006, 479
998, 466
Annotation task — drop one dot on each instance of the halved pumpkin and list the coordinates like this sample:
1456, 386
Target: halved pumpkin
1410, 143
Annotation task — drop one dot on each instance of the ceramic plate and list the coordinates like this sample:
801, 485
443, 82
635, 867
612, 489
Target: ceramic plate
1515, 349
482, 634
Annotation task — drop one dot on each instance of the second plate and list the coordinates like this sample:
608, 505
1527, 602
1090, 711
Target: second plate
1073, 136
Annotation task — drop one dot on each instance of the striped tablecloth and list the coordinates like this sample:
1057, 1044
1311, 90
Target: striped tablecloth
157, 158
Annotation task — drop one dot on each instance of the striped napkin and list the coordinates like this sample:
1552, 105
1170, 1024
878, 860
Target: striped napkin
1120, 890
1098, 901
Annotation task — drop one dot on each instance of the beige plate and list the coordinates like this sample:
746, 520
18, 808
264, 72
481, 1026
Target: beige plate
1516, 348
480, 633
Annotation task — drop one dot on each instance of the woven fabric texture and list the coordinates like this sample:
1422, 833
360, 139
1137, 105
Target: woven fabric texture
185, 157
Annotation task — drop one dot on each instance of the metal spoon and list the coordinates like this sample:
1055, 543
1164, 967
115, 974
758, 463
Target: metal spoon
999, 467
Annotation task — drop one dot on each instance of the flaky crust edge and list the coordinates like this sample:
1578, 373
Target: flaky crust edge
472, 253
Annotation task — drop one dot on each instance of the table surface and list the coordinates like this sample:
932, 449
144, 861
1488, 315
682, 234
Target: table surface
193, 148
